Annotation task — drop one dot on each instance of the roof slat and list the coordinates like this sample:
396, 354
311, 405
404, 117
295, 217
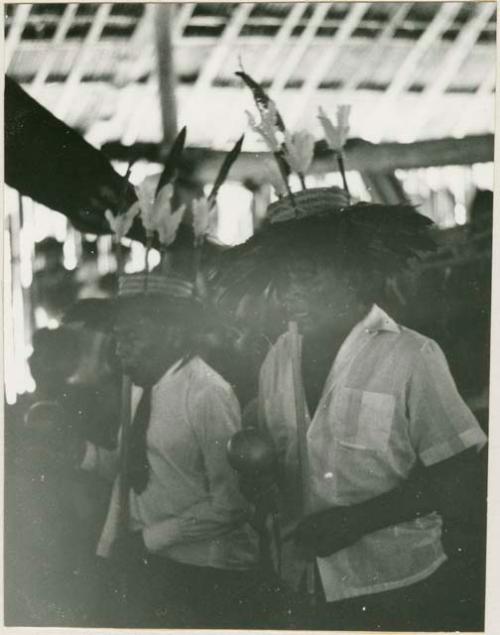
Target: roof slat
184, 14
406, 72
301, 46
16, 32
136, 107
326, 61
52, 52
373, 56
403, 78
78, 69
224, 44
280, 40
454, 59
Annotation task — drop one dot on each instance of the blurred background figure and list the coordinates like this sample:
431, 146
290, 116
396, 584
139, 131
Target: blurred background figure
55, 288
55, 512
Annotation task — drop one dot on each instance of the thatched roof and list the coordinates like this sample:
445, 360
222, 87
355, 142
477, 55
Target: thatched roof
410, 70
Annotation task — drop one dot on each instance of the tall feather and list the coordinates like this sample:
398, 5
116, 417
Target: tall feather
262, 99
227, 164
171, 164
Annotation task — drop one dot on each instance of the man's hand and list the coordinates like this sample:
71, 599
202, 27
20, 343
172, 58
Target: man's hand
262, 494
326, 532
129, 548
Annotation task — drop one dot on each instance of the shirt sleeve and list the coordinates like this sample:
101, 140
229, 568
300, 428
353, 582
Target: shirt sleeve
440, 423
215, 416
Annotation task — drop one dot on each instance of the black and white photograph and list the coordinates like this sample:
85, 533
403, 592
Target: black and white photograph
247, 271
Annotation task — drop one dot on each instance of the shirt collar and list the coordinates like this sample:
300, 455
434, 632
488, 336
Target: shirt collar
169, 372
378, 320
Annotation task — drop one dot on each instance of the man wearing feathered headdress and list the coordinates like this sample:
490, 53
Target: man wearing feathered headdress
391, 448
187, 548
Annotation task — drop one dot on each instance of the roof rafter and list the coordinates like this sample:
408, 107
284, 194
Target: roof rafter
134, 123
303, 42
454, 59
374, 54
16, 31
51, 54
222, 48
79, 65
324, 64
403, 78
280, 40
182, 18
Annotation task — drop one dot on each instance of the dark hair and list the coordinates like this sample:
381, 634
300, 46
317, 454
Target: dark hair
187, 314
55, 353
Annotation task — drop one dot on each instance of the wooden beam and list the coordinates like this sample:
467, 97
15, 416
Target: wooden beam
325, 62
60, 35
80, 64
441, 21
302, 44
360, 155
460, 49
167, 79
141, 49
375, 52
454, 59
279, 41
133, 127
406, 73
182, 18
223, 47
140, 60
15, 32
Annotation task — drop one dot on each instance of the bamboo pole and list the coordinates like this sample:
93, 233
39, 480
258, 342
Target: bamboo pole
125, 415
125, 420
303, 455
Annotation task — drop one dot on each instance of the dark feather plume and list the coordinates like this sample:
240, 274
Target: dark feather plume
260, 96
172, 161
227, 164
262, 101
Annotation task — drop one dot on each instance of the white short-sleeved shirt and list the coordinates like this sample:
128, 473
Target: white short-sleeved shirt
388, 402
191, 510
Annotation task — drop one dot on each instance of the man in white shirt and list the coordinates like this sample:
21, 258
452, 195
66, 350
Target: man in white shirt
392, 447
189, 549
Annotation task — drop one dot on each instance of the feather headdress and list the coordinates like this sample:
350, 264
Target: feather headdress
294, 152
369, 239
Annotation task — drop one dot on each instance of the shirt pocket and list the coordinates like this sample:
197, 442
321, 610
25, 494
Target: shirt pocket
365, 419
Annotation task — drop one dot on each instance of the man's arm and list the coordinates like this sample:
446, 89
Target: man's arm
445, 437
452, 487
